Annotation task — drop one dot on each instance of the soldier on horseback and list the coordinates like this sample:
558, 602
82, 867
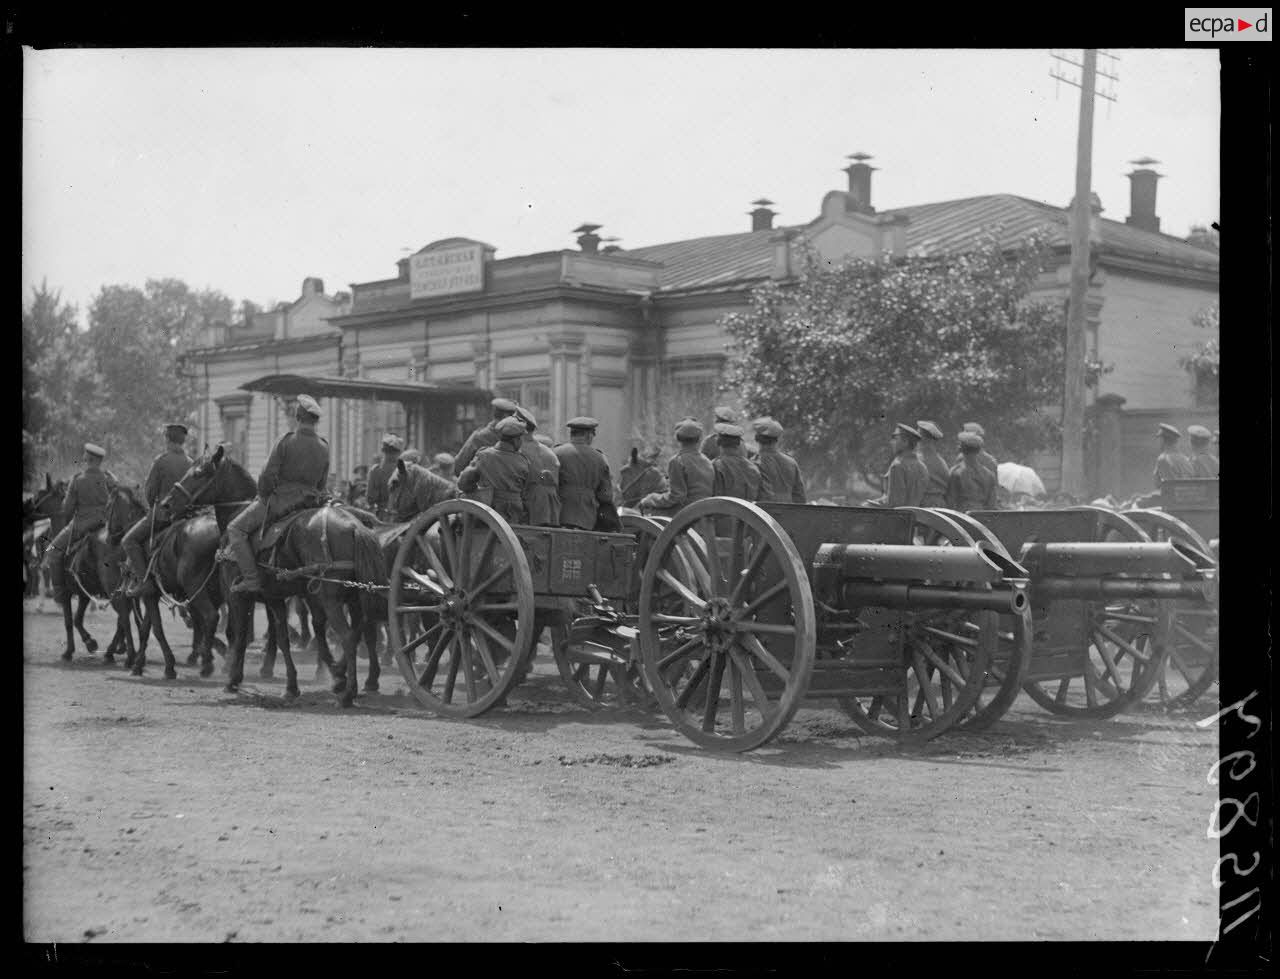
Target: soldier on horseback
168, 467
294, 478
84, 510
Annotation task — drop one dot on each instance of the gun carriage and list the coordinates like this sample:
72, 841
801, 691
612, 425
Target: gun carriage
1187, 512
747, 611
1103, 604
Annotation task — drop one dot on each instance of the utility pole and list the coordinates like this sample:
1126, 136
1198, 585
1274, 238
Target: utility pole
1081, 212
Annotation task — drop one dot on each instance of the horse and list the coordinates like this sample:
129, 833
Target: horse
45, 505
94, 573
321, 545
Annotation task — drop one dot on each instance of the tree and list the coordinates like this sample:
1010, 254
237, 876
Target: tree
136, 336
845, 352
59, 400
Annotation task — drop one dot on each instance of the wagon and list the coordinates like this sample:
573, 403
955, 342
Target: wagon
746, 611
1104, 601
1188, 512
472, 593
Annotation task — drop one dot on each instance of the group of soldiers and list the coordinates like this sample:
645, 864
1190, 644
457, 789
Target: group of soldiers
528, 479
1173, 464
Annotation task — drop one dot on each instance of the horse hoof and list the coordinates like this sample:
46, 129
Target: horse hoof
370, 687
67, 654
91, 646
193, 659
206, 670
169, 673
231, 688
339, 684
291, 693
266, 674
109, 658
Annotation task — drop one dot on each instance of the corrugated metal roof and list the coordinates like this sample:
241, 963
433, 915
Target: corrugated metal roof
945, 226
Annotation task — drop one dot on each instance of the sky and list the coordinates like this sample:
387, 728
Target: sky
248, 170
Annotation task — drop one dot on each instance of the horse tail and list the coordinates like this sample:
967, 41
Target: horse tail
369, 565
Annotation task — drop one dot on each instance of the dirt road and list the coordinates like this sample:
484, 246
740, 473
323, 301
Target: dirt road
161, 810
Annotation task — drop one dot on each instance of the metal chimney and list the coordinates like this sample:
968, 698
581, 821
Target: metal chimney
1142, 195
762, 217
860, 183
588, 240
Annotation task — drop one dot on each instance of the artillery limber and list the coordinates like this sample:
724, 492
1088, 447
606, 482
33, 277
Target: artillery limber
472, 593
747, 611
1103, 597
1188, 513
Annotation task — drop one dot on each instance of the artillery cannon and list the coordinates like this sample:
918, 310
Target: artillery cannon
1192, 665
746, 611
1102, 597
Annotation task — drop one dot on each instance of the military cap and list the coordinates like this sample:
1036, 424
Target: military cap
583, 421
393, 442
974, 427
969, 440
1168, 430
95, 450
1199, 432
767, 428
727, 430
510, 428
309, 405
410, 455
903, 429
504, 404
929, 430
543, 439
725, 414
688, 430
442, 459
362, 468
526, 416
176, 426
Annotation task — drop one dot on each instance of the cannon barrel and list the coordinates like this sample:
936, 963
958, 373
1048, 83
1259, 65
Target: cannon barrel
1008, 596
1146, 560
1096, 588
904, 562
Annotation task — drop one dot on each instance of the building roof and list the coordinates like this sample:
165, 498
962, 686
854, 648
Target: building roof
365, 389
946, 226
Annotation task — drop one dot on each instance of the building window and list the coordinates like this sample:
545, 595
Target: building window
534, 395
692, 394
235, 432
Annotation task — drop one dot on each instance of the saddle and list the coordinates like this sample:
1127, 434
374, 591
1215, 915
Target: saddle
269, 535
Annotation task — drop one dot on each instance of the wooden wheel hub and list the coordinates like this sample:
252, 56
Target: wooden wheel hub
718, 624
454, 609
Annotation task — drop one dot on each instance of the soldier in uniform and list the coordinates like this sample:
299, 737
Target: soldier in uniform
690, 475
641, 476
377, 493
724, 416
442, 465
971, 485
503, 471
542, 498
294, 477
786, 484
1171, 464
484, 436
359, 486
735, 474
985, 458
412, 455
1203, 462
415, 489
585, 483
907, 477
167, 468
935, 489
84, 510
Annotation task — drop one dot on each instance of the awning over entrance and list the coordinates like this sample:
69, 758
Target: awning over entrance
367, 390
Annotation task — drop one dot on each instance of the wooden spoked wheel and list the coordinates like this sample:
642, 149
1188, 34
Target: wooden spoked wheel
463, 570
598, 662
949, 658
727, 628
1128, 643
1192, 665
